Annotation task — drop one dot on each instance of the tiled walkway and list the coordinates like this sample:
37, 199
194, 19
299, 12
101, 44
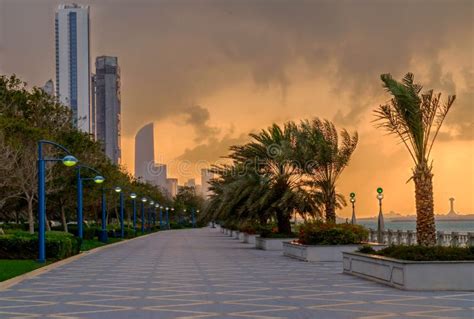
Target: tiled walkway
203, 274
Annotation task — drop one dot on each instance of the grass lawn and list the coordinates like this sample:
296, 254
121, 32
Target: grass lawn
10, 268
89, 244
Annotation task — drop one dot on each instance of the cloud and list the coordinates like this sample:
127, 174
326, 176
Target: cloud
197, 117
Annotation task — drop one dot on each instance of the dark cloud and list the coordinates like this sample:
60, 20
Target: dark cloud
197, 117
174, 52
214, 150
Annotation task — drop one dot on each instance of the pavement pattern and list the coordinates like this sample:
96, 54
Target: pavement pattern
202, 273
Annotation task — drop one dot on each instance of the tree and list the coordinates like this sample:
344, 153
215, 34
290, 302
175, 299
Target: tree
324, 155
416, 118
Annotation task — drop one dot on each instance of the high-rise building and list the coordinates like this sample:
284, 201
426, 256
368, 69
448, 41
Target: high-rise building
190, 183
72, 28
172, 186
160, 176
106, 106
145, 153
206, 176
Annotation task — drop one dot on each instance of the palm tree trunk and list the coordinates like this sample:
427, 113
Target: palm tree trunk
425, 222
63, 218
283, 220
31, 218
330, 206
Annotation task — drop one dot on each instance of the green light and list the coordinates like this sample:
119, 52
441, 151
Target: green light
99, 179
380, 190
69, 160
352, 195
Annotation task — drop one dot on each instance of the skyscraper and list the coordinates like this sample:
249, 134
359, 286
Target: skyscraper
206, 176
106, 105
145, 153
73, 61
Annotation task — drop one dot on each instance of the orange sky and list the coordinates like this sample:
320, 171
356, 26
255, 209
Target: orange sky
209, 72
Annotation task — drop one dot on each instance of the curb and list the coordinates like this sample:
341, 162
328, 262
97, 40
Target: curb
16, 280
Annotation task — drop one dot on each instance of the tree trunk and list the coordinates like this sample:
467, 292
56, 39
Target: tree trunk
31, 218
46, 222
63, 218
284, 225
330, 212
425, 221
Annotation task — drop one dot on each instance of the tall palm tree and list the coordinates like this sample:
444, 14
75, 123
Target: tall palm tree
416, 119
324, 155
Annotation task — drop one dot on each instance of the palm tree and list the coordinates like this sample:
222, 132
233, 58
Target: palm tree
323, 157
416, 119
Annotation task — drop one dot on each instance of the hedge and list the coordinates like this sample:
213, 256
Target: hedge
423, 253
319, 233
23, 245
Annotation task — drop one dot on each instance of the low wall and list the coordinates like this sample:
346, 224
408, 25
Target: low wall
249, 238
271, 243
411, 275
316, 252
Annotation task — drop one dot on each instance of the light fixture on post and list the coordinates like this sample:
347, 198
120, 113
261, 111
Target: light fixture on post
152, 206
98, 179
144, 200
353, 200
167, 218
380, 221
133, 196
68, 161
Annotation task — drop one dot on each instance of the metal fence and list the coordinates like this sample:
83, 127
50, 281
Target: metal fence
399, 237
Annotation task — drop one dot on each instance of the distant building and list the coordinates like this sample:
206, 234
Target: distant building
106, 106
160, 176
72, 33
190, 183
145, 154
172, 186
48, 87
206, 176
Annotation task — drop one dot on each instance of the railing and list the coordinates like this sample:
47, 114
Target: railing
408, 237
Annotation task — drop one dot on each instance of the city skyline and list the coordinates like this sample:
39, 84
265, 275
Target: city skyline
198, 120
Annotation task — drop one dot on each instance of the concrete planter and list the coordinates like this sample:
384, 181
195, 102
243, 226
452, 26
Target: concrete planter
235, 234
249, 238
241, 236
411, 275
271, 243
316, 252
320, 252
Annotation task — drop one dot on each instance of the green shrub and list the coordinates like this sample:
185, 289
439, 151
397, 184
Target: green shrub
424, 253
23, 245
366, 249
319, 233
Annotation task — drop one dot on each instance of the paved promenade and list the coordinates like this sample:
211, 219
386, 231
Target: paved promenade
203, 274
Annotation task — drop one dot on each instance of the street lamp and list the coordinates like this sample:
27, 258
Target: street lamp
118, 189
133, 196
68, 161
152, 206
380, 221
144, 200
98, 179
353, 200
161, 217
157, 205
167, 218
181, 219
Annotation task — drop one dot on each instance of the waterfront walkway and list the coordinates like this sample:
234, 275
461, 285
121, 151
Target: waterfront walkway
203, 274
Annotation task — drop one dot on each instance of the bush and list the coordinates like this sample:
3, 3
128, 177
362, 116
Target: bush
23, 245
270, 231
424, 253
248, 228
319, 233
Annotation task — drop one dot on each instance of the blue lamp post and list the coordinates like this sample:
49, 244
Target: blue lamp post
152, 205
193, 217
157, 206
118, 189
67, 160
99, 179
144, 200
133, 196
161, 217
167, 218
183, 217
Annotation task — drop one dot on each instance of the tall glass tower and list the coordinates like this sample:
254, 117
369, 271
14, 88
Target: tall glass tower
72, 28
